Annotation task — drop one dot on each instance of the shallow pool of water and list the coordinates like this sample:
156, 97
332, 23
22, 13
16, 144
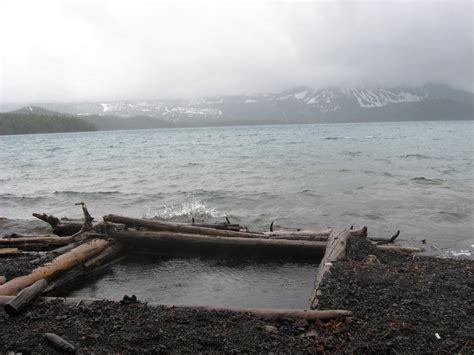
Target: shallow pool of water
204, 281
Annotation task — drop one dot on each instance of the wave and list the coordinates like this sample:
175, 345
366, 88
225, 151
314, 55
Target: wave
85, 193
416, 156
335, 138
194, 208
425, 181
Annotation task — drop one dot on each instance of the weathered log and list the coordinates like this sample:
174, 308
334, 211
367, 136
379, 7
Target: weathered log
224, 226
87, 221
60, 227
24, 297
34, 243
320, 235
8, 251
61, 263
400, 248
55, 252
335, 250
189, 241
59, 343
179, 228
261, 312
97, 263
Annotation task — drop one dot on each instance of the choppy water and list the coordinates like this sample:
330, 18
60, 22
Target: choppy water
416, 177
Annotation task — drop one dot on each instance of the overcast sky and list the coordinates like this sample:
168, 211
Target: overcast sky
132, 49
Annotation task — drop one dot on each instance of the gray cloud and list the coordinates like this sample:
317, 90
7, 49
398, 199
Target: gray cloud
68, 50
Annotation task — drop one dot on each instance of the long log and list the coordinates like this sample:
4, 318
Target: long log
261, 312
24, 297
300, 235
34, 243
61, 263
190, 241
335, 250
92, 265
179, 228
400, 248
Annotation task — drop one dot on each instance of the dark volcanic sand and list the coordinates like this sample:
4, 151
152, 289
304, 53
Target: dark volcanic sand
398, 307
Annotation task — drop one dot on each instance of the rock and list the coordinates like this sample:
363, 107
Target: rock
371, 260
270, 328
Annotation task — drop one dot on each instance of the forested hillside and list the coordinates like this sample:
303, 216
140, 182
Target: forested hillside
29, 122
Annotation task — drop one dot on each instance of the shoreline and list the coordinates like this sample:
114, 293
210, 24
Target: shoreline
398, 305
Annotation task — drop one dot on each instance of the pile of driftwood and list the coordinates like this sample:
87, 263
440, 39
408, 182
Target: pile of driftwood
79, 248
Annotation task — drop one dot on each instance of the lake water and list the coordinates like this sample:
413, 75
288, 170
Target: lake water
417, 177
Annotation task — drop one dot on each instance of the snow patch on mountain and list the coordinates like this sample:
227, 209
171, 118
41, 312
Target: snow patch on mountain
381, 97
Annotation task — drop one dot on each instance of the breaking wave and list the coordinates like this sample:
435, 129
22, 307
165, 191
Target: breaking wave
195, 208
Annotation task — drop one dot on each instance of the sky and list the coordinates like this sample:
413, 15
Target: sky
53, 51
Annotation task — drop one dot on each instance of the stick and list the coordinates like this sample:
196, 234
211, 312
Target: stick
59, 343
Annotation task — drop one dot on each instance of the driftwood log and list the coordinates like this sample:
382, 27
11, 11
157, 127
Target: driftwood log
261, 312
63, 262
182, 241
60, 227
179, 228
24, 297
400, 248
335, 250
34, 243
97, 263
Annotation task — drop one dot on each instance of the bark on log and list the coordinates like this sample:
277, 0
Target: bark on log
261, 312
196, 240
24, 297
178, 228
59, 343
61, 263
400, 248
336, 249
321, 235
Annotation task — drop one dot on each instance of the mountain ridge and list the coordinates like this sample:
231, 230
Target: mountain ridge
298, 105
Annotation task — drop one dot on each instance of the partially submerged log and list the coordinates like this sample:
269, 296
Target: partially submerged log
178, 228
335, 250
60, 227
180, 241
24, 297
63, 262
261, 312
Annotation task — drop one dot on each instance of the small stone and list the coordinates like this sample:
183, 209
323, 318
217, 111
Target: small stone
371, 260
270, 328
